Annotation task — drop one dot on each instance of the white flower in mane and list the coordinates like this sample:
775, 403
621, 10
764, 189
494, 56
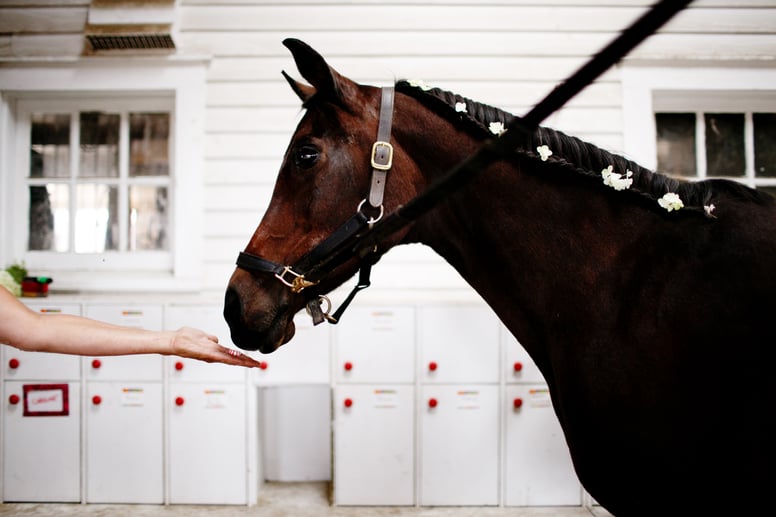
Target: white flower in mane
709, 209
496, 128
544, 152
460, 107
615, 180
418, 83
670, 202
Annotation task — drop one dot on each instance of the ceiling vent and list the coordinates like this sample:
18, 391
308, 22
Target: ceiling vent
130, 26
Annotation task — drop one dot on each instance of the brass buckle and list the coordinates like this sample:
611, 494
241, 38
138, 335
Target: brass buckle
382, 155
298, 284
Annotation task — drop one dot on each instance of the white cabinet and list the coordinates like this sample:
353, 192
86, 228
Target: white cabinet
124, 436
374, 445
41, 424
42, 453
208, 419
374, 407
459, 445
538, 469
208, 462
124, 442
304, 360
458, 344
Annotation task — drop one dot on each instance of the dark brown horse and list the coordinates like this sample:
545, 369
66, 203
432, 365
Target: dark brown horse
654, 329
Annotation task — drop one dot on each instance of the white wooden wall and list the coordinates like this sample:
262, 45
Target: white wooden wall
506, 53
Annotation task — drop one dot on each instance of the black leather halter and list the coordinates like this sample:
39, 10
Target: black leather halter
307, 271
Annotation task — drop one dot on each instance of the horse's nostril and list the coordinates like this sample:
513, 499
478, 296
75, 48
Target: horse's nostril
232, 307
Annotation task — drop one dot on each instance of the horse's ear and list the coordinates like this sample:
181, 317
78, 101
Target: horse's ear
302, 91
314, 68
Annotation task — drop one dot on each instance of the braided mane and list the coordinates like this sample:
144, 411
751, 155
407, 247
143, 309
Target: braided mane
573, 154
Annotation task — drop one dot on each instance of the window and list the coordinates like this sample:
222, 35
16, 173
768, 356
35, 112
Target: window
706, 144
698, 123
101, 172
112, 195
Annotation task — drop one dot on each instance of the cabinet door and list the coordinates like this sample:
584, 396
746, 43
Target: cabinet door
458, 344
39, 365
134, 367
376, 345
42, 453
207, 444
303, 360
518, 365
124, 443
539, 471
373, 445
459, 445
208, 318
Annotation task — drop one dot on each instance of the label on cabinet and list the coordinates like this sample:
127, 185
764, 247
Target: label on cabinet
468, 399
134, 397
386, 399
539, 398
46, 400
216, 399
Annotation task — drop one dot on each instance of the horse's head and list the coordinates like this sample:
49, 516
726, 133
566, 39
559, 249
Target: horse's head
325, 176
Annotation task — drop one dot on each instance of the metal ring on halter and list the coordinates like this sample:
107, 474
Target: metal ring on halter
373, 220
328, 306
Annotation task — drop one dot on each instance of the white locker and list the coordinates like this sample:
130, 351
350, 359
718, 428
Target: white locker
303, 360
376, 345
374, 445
538, 467
458, 344
209, 319
136, 367
43, 366
42, 453
459, 445
518, 365
208, 460
124, 443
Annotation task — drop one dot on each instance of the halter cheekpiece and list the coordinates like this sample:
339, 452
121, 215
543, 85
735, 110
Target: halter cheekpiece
308, 271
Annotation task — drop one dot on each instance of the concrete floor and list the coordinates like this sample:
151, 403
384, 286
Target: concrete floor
286, 500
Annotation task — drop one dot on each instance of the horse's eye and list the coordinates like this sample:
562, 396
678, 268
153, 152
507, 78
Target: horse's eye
305, 156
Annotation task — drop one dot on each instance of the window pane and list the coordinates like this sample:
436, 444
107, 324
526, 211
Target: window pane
49, 218
95, 219
147, 218
764, 144
725, 144
149, 144
99, 145
676, 143
49, 146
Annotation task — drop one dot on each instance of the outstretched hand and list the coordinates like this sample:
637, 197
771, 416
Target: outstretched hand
196, 344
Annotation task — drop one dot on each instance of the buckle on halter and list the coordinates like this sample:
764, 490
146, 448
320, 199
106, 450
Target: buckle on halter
382, 155
298, 283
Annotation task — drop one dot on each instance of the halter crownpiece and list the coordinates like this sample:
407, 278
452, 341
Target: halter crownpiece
302, 274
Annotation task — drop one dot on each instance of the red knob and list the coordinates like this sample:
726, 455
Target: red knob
348, 402
13, 363
179, 365
179, 401
518, 366
432, 366
96, 400
263, 365
432, 403
14, 399
517, 403
348, 366
96, 363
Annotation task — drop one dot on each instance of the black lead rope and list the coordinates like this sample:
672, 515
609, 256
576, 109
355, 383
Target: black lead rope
361, 239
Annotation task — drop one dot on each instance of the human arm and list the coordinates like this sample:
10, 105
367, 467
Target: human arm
27, 330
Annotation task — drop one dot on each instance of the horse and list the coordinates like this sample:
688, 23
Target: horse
646, 301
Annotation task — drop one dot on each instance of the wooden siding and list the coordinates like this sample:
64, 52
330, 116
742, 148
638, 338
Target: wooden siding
508, 53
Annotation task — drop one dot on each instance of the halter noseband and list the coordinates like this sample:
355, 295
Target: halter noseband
308, 270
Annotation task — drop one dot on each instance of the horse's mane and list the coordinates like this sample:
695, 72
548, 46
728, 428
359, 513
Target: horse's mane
573, 154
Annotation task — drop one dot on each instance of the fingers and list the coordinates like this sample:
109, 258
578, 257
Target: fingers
236, 357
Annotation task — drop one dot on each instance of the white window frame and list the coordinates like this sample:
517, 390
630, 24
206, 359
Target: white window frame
737, 88
179, 84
